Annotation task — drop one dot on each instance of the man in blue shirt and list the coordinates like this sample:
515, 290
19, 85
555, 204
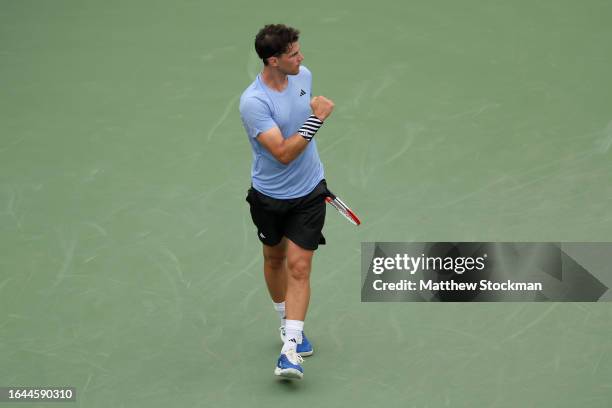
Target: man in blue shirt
287, 197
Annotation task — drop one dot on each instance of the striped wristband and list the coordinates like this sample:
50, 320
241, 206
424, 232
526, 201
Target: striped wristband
310, 127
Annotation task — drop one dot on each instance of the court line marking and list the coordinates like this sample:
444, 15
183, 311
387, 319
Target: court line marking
223, 117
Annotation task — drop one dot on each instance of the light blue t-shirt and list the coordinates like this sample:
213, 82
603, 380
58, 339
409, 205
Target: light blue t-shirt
261, 109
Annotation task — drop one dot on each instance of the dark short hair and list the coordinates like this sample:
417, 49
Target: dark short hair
274, 40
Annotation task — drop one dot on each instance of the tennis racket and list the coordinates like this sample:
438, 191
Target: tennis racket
342, 208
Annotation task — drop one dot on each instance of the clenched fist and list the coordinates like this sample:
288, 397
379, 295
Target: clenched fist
321, 107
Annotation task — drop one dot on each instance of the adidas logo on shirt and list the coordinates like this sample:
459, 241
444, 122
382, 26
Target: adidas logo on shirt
302, 92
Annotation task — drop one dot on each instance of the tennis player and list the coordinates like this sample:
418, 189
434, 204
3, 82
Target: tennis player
287, 196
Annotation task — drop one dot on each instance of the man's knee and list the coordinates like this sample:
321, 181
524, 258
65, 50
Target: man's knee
299, 268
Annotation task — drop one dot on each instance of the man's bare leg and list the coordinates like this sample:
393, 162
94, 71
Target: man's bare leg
275, 270
299, 261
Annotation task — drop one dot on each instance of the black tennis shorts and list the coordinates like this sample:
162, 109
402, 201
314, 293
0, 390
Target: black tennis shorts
299, 219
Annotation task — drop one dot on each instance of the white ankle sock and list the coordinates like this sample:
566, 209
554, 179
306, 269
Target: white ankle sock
280, 308
293, 330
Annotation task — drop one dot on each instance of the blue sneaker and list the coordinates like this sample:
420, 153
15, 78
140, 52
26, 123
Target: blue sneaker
289, 365
304, 349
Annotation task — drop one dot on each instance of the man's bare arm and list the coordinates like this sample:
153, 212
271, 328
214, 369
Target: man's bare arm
283, 150
286, 150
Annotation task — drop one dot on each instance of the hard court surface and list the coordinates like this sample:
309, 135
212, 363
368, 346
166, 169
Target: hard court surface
130, 269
